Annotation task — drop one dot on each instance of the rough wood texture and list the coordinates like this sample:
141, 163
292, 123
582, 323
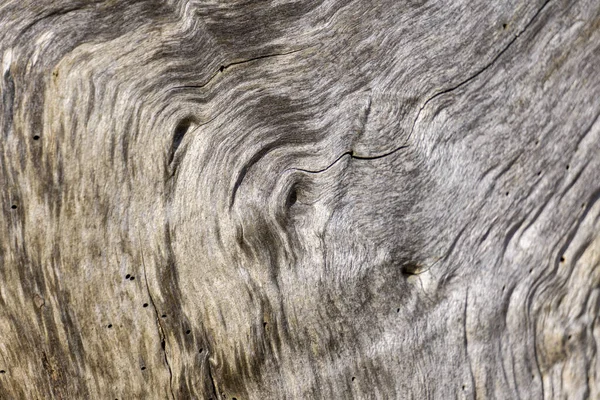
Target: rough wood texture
326, 199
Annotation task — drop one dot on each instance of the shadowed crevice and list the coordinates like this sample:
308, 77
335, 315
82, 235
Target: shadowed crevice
161, 332
212, 381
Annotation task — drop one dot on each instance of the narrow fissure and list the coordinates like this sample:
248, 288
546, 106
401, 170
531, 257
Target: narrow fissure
161, 332
212, 380
353, 156
223, 67
485, 68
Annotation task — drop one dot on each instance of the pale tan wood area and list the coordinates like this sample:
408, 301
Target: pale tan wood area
279, 199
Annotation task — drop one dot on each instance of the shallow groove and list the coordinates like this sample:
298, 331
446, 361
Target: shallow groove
161, 332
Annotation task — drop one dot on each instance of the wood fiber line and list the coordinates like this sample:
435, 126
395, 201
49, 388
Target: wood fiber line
322, 199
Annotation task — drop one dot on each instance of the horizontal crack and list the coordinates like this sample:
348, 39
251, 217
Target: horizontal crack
353, 156
379, 155
222, 68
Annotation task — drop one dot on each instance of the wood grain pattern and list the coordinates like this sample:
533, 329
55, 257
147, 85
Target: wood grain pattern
283, 199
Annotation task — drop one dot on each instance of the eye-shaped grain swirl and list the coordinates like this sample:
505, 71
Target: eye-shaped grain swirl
323, 199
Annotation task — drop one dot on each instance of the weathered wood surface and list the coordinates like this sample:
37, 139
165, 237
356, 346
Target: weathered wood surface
300, 199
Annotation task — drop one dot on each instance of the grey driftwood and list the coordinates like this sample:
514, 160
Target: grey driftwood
320, 199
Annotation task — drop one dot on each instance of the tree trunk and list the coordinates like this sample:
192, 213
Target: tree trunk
320, 199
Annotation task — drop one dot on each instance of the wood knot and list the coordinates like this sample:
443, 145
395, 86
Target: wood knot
39, 301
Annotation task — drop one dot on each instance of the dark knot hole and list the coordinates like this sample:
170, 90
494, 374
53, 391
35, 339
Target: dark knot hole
292, 197
181, 129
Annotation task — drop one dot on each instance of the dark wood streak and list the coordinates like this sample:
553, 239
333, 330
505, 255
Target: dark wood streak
303, 199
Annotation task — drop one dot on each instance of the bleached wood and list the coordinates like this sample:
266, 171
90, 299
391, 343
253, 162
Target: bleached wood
299, 199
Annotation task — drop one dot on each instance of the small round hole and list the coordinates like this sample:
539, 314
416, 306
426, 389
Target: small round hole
109, 326
567, 166
164, 316
504, 26
2, 371
14, 206
201, 350
36, 137
353, 378
188, 332
127, 276
132, 278
143, 368
507, 193
145, 305
397, 310
221, 68
562, 259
